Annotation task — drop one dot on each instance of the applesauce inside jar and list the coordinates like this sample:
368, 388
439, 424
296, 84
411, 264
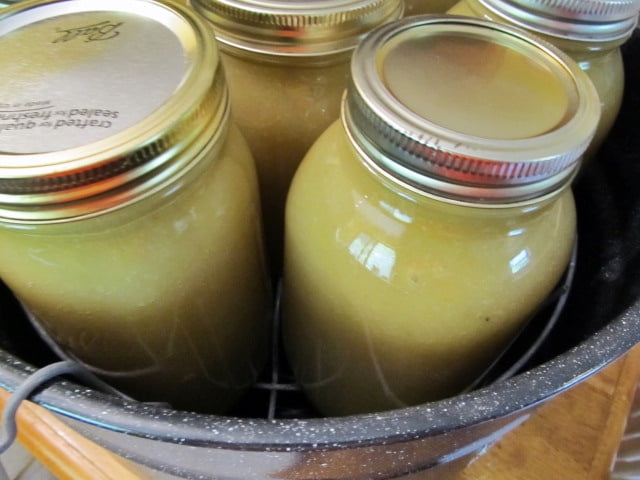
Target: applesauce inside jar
426, 227
287, 65
421, 7
282, 108
410, 300
158, 300
129, 212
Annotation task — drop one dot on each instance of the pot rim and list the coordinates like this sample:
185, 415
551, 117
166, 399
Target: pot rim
431, 419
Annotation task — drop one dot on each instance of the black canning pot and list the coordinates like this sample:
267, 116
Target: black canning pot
599, 323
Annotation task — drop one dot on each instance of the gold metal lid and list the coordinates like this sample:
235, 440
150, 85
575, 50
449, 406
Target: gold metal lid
101, 103
584, 20
296, 27
469, 110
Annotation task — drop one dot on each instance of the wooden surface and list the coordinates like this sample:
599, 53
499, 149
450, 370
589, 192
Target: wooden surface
63, 451
573, 436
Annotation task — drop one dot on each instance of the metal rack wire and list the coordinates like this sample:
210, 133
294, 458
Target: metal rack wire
278, 395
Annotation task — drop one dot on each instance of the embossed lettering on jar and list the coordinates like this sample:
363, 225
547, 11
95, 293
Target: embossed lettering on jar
287, 65
590, 31
425, 228
129, 210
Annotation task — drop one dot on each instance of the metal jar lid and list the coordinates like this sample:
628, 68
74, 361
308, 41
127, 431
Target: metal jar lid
296, 27
583, 20
469, 110
102, 103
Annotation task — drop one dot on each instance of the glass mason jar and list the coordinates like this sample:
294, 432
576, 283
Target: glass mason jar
425, 228
287, 66
129, 209
590, 31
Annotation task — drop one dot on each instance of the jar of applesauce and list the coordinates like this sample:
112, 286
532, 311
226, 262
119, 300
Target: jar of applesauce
129, 209
590, 31
426, 226
287, 65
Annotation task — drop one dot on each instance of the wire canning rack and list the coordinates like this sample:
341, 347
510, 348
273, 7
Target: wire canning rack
277, 395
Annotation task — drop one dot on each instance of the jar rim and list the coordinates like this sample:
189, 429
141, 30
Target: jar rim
449, 162
295, 28
41, 183
580, 20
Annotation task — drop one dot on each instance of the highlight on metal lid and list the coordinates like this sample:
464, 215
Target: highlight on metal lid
296, 27
586, 20
101, 97
469, 110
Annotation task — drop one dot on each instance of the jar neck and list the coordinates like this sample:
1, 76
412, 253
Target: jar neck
471, 190
296, 28
285, 59
369, 169
185, 166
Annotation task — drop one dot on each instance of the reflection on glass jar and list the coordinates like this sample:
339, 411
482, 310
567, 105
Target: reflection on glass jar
426, 227
287, 65
129, 216
590, 32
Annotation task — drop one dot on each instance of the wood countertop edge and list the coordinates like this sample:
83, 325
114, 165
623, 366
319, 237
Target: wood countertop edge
575, 435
